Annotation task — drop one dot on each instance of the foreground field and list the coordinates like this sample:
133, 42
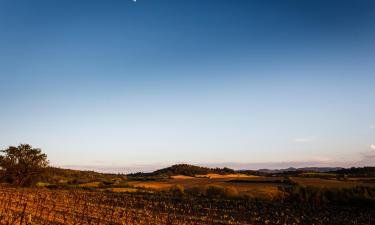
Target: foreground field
244, 186
43, 206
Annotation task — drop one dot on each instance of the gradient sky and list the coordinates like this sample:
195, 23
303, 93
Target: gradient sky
122, 83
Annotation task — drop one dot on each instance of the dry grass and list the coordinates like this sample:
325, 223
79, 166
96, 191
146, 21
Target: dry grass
158, 185
258, 189
125, 190
221, 176
324, 183
182, 177
91, 184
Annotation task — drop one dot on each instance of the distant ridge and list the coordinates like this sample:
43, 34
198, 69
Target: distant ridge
303, 169
366, 171
192, 170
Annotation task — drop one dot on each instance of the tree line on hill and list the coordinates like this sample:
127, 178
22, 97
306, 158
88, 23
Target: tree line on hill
358, 171
190, 170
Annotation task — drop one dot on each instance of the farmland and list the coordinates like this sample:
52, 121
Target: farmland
42, 206
328, 183
185, 194
260, 187
263, 187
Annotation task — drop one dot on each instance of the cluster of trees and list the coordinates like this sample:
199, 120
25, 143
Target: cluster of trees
25, 166
22, 165
180, 169
190, 170
358, 172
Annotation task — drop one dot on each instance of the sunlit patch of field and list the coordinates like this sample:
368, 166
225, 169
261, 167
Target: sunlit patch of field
260, 191
158, 185
259, 187
91, 184
182, 177
223, 176
125, 190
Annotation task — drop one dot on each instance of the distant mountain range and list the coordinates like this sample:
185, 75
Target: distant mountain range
192, 170
304, 169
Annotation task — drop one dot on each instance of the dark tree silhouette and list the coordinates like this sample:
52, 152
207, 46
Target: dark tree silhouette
22, 165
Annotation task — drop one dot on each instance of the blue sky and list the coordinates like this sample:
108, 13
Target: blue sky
156, 82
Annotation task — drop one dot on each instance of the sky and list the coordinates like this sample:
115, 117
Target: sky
142, 84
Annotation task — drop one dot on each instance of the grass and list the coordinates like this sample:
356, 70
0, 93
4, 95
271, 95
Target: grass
325, 183
316, 174
224, 176
123, 190
257, 187
91, 184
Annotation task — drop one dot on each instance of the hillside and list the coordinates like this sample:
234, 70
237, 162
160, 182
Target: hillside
54, 175
185, 169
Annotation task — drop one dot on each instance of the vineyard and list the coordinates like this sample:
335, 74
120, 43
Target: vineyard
44, 206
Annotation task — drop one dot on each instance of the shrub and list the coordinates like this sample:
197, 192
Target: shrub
177, 190
194, 191
221, 192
